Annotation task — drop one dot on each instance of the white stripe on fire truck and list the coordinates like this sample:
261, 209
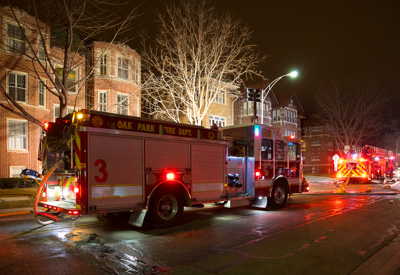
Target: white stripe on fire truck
207, 187
113, 191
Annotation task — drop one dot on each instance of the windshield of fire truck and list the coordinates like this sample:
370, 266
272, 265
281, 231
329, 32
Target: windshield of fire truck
266, 149
279, 150
294, 151
351, 165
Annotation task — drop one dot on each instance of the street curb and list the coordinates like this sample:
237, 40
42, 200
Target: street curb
14, 214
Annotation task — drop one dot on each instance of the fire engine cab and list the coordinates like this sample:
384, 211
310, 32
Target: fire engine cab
102, 163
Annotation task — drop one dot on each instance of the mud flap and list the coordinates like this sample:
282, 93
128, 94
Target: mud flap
260, 202
137, 217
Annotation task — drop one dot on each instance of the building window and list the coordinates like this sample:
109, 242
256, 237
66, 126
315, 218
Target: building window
122, 104
71, 81
315, 128
17, 86
70, 110
217, 120
15, 171
17, 134
315, 158
123, 68
16, 39
137, 73
137, 106
220, 97
316, 143
247, 108
103, 65
276, 115
41, 51
102, 101
42, 93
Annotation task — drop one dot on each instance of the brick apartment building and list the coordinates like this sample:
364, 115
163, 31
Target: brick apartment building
113, 87
318, 149
222, 111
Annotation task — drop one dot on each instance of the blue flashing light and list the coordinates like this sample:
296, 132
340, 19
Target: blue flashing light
257, 131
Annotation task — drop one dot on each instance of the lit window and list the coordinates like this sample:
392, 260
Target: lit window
16, 39
71, 81
15, 171
122, 104
123, 68
17, 134
17, 86
247, 108
217, 120
103, 101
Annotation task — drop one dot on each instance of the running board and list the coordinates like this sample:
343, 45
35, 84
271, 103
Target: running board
237, 202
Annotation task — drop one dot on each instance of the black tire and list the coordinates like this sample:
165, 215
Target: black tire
166, 208
279, 196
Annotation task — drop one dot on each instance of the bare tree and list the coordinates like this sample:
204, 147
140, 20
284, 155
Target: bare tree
55, 41
196, 54
352, 112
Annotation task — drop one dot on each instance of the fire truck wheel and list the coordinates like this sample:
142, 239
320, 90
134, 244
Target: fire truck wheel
165, 208
279, 196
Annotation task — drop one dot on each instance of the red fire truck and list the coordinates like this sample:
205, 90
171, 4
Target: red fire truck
101, 163
372, 163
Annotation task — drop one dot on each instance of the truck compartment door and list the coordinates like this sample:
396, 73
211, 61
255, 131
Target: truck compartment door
115, 168
208, 171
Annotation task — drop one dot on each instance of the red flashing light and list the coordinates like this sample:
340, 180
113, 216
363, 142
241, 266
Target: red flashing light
292, 136
170, 176
46, 126
76, 190
44, 194
73, 212
258, 174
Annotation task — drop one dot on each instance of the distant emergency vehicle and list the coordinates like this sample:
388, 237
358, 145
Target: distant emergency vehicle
372, 163
101, 163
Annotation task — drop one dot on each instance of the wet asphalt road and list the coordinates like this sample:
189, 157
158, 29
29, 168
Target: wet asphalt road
315, 234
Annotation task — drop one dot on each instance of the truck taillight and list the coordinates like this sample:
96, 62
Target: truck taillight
73, 212
170, 176
46, 126
258, 174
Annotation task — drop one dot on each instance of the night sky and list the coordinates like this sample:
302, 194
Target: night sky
323, 39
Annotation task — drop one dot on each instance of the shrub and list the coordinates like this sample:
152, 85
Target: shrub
16, 183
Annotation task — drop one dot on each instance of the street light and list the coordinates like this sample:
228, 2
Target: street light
292, 74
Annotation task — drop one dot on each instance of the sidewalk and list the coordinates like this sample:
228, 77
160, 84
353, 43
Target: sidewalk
14, 211
327, 185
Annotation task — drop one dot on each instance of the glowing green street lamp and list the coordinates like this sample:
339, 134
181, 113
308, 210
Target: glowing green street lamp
265, 92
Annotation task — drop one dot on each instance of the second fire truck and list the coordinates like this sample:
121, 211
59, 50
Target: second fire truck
103, 164
372, 163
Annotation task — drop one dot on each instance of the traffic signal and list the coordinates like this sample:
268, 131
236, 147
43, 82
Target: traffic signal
257, 95
250, 94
